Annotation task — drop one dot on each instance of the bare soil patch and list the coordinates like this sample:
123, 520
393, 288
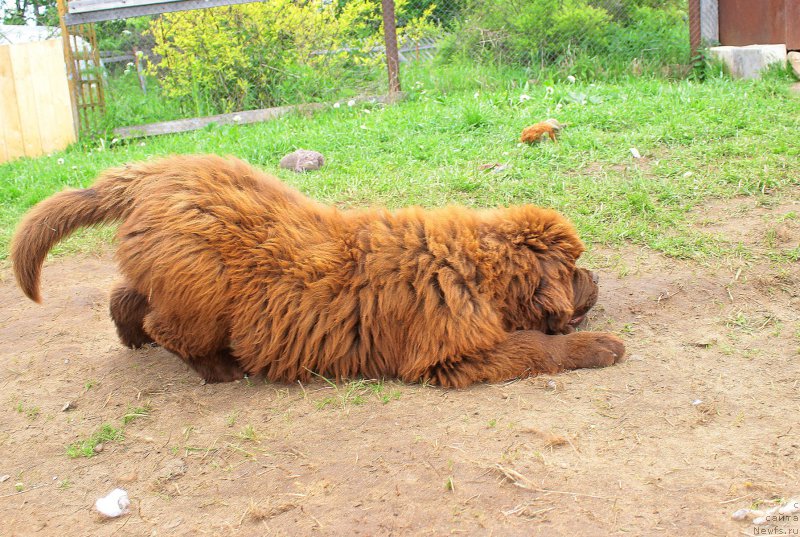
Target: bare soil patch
699, 422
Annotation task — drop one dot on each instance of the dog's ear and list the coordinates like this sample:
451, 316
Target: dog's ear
554, 296
584, 290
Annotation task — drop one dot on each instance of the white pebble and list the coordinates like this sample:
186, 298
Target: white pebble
635, 153
523, 98
571, 79
351, 102
113, 505
741, 514
697, 402
336, 105
791, 507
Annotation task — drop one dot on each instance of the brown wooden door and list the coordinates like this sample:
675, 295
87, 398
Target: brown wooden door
762, 22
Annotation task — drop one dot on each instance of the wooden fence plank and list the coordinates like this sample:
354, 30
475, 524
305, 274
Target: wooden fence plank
38, 85
10, 125
35, 108
49, 84
28, 109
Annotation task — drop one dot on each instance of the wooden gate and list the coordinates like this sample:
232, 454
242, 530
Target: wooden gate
761, 22
85, 72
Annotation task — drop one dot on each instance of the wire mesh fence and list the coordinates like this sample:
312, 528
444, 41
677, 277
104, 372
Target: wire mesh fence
279, 52
596, 38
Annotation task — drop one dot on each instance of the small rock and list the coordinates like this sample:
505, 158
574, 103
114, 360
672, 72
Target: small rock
302, 160
741, 514
4, 478
794, 61
128, 478
99, 448
635, 153
69, 405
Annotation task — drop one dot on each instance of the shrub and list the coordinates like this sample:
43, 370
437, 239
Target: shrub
273, 52
596, 37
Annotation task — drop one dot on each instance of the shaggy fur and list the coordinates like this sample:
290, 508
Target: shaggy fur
237, 273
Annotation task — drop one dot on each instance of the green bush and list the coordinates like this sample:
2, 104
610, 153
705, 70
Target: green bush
273, 52
652, 34
590, 37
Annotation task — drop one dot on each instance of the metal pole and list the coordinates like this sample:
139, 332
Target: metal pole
694, 26
390, 38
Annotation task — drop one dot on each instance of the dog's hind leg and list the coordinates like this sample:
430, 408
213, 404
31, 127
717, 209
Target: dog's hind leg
203, 347
128, 308
525, 353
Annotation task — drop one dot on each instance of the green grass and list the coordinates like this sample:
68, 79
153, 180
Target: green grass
135, 413
85, 448
357, 393
107, 433
718, 138
248, 433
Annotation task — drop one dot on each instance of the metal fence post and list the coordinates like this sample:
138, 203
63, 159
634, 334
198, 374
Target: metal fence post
694, 26
390, 39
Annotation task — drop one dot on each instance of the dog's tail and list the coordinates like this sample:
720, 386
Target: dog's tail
110, 198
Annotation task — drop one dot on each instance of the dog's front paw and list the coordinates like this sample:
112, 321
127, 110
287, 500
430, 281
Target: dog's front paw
593, 349
220, 368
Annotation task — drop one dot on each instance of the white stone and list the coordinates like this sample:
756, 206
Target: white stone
749, 61
794, 61
113, 505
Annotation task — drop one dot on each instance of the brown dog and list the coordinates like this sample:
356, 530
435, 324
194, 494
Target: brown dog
237, 273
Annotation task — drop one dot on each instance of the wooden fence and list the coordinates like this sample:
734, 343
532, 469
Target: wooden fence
35, 110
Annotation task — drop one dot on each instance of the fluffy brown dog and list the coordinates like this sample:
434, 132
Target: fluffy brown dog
237, 273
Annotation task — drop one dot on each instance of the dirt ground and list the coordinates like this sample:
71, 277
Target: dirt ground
701, 420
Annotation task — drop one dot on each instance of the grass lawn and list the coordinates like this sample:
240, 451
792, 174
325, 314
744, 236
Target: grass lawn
718, 138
